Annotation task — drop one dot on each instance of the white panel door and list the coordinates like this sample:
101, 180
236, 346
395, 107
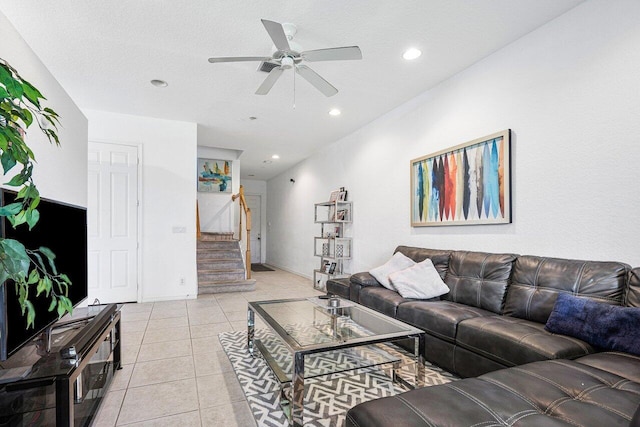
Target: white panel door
113, 222
253, 202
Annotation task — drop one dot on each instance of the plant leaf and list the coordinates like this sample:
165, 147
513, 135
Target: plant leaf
14, 260
10, 209
16, 181
31, 314
8, 161
31, 93
33, 216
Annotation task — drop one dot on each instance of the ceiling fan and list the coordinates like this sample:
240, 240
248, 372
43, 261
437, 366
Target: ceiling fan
288, 55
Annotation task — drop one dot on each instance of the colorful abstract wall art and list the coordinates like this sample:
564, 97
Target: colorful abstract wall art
468, 184
214, 175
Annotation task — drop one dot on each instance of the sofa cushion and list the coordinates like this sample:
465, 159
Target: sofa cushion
438, 318
549, 393
339, 287
606, 326
439, 257
622, 364
364, 279
421, 281
381, 299
537, 281
632, 299
479, 279
397, 262
512, 341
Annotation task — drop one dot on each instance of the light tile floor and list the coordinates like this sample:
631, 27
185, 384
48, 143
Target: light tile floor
175, 371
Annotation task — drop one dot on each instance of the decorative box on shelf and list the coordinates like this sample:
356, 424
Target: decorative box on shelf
333, 247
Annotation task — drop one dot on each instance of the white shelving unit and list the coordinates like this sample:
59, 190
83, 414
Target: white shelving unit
332, 247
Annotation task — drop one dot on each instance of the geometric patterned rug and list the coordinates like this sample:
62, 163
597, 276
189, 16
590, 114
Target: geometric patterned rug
328, 396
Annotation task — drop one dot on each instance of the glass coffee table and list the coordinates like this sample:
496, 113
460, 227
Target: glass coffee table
314, 327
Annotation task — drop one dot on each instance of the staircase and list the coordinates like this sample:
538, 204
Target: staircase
220, 265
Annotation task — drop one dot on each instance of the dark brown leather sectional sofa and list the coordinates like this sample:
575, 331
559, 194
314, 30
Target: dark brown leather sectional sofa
493, 318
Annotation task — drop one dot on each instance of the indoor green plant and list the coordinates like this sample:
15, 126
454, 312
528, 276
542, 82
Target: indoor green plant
32, 270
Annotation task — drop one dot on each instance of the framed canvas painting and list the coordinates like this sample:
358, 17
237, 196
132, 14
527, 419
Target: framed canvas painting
214, 176
468, 184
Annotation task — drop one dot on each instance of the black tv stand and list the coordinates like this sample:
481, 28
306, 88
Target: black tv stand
65, 385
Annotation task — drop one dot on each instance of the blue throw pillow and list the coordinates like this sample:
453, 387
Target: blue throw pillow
609, 327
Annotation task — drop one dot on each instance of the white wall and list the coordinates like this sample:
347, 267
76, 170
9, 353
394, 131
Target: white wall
217, 212
569, 91
168, 198
51, 174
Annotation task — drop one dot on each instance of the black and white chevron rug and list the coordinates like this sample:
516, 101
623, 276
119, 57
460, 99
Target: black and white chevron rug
328, 395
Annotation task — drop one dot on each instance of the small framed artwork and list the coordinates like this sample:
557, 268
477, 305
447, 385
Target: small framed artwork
468, 184
332, 268
342, 195
214, 176
341, 215
334, 195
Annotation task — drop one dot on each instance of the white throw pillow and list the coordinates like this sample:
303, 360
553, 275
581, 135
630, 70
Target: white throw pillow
421, 281
398, 262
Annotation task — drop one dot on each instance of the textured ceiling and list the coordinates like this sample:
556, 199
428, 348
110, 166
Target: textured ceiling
104, 53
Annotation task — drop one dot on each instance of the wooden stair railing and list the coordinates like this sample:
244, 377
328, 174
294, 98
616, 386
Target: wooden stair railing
198, 232
247, 214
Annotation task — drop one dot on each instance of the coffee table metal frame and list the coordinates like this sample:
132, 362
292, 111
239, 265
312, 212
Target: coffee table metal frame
300, 351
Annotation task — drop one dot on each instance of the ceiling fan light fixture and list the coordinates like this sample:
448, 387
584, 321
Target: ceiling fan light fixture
286, 62
411, 54
334, 112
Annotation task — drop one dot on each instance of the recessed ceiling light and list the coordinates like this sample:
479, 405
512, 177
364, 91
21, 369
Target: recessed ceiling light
275, 156
253, 118
334, 112
411, 54
159, 83
266, 162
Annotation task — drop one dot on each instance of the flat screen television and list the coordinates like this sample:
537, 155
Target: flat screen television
63, 229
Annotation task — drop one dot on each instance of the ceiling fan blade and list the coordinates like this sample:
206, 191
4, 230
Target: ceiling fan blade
318, 82
276, 32
333, 54
239, 59
268, 83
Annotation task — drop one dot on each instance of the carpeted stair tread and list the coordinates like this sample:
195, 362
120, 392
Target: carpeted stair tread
213, 287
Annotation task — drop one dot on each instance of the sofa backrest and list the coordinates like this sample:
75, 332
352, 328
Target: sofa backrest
478, 279
632, 299
537, 281
439, 257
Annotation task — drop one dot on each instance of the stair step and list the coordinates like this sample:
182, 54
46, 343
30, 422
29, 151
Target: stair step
218, 254
220, 264
221, 275
229, 286
224, 236
214, 244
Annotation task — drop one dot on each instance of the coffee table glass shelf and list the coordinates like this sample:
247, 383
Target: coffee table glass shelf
312, 338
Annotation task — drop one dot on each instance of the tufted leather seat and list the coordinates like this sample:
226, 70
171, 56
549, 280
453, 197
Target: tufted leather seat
511, 341
597, 390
